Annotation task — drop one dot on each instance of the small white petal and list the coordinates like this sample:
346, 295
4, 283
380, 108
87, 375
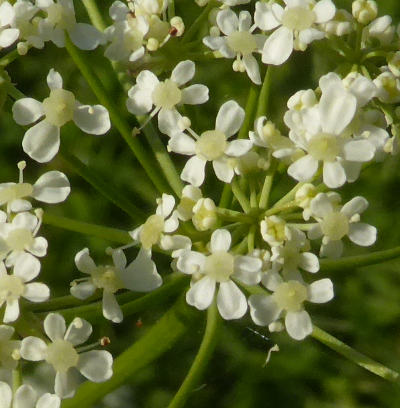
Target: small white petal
359, 150
65, 384
5, 390
119, 258
252, 68
304, 168
333, 174
54, 80
182, 143
83, 290
79, 330
278, 47
85, 36
321, 205
84, 262
27, 267
230, 118
42, 141
12, 311
94, 120
320, 291
356, 205
8, 37
238, 147
266, 18
309, 262
54, 326
27, 110
362, 234
52, 187
24, 397
111, 309
193, 172
298, 324
195, 94
48, 401
191, 262
231, 302
263, 309
324, 11
183, 72
201, 294
36, 292
333, 249
220, 240
96, 365
139, 102
33, 349
227, 21
223, 170
39, 247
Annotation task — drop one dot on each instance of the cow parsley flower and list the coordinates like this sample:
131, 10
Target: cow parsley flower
288, 299
42, 141
26, 397
61, 353
219, 267
335, 222
18, 284
165, 95
298, 26
239, 42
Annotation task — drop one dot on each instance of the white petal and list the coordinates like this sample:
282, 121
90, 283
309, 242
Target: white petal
320, 291
195, 94
271, 280
147, 81
356, 205
298, 324
119, 258
230, 118
166, 205
79, 330
141, 275
42, 141
96, 365
111, 309
362, 234
309, 35
82, 290
54, 80
337, 108
27, 267
244, 21
324, 11
24, 397
7, 14
227, 21
5, 390
6, 332
252, 69
278, 47
94, 120
309, 262
191, 262
201, 294
168, 122
220, 240
12, 311
136, 55
84, 262
27, 110
182, 143
358, 150
321, 205
39, 247
36, 292
139, 102
231, 301
193, 172
333, 174
48, 401
304, 168
8, 37
118, 11
52, 187
263, 309
65, 384
238, 147
183, 72
223, 170
85, 36
54, 326
264, 16
33, 349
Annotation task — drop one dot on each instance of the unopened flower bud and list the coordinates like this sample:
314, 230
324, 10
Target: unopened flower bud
152, 44
364, 11
204, 214
22, 48
177, 23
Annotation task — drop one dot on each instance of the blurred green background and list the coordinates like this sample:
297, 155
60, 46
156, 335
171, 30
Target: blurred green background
365, 312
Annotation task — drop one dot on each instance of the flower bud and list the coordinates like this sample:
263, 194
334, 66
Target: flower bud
178, 24
204, 214
364, 11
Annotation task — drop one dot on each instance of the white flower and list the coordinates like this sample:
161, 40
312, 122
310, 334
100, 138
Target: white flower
126, 35
9, 349
95, 365
364, 11
204, 214
334, 223
219, 267
388, 87
150, 7
298, 26
17, 285
19, 237
320, 131
52, 187
165, 95
239, 42
190, 196
110, 278
42, 141
213, 145
26, 397
341, 24
273, 230
381, 28
288, 299
61, 18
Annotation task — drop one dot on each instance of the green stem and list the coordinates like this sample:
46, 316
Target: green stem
98, 231
93, 311
289, 196
291, 205
195, 26
250, 110
94, 14
354, 356
9, 58
251, 238
266, 190
156, 341
119, 122
351, 262
171, 9
253, 192
201, 360
238, 193
263, 100
231, 215
103, 187
226, 196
